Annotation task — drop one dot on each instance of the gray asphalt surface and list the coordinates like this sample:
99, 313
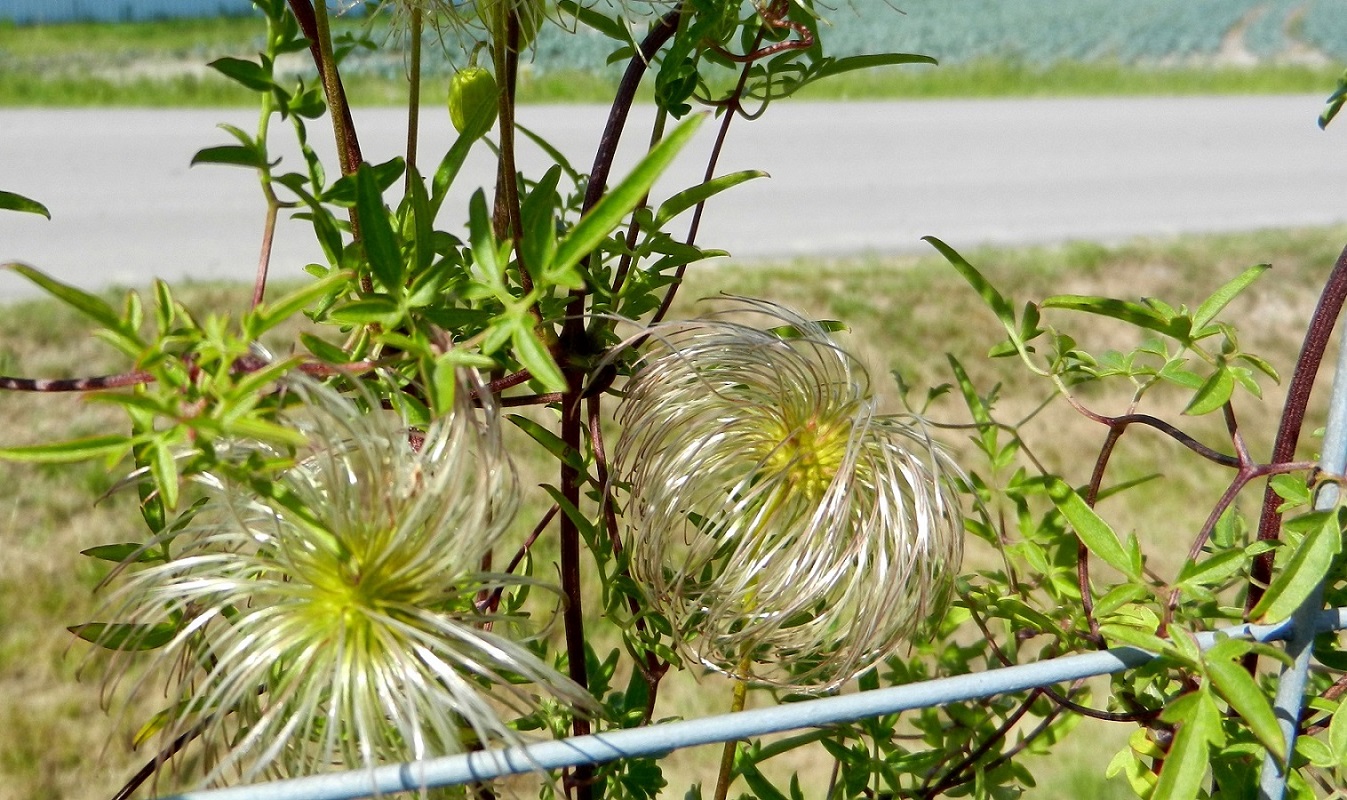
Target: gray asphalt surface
846, 178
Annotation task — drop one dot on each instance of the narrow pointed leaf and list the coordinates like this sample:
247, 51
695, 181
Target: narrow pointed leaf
607, 214
486, 258
600, 22
1186, 764
230, 154
1091, 528
1303, 573
1214, 570
67, 452
117, 553
1221, 297
448, 170
10, 201
283, 308
119, 636
555, 156
1123, 310
550, 441
534, 356
587, 529
1244, 695
692, 196
538, 219
423, 228
85, 303
853, 63
381, 247
994, 299
1337, 733
250, 74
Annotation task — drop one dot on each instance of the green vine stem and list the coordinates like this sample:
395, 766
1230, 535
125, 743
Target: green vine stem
726, 773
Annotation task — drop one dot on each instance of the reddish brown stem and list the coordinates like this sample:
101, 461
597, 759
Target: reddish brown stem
1317, 335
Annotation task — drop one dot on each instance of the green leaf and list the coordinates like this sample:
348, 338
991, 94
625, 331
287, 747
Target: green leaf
10, 201
269, 315
1303, 573
231, 154
164, 468
1316, 752
1213, 393
252, 75
1214, 570
1125, 311
619, 201
690, 197
137, 552
1293, 489
423, 227
555, 156
485, 256
262, 430
587, 529
762, 788
1097, 535
1117, 597
448, 170
551, 442
1337, 733
1135, 637
994, 299
1242, 692
381, 247
1213, 305
1186, 764
608, 26
538, 218
372, 310
68, 452
852, 63
125, 636
325, 351
82, 301
536, 358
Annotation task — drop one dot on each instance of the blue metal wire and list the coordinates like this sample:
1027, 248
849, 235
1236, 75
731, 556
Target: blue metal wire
659, 739
1290, 698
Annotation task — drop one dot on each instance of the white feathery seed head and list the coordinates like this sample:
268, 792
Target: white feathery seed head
791, 534
345, 635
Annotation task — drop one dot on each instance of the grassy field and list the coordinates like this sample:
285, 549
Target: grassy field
903, 313
1038, 47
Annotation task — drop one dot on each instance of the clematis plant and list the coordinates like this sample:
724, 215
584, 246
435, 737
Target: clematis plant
332, 573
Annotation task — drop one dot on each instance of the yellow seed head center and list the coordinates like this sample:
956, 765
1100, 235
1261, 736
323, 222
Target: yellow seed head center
809, 456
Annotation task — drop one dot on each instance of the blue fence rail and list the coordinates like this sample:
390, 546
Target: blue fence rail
666, 737
32, 12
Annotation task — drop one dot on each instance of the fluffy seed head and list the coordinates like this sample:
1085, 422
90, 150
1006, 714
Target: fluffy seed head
332, 621
791, 535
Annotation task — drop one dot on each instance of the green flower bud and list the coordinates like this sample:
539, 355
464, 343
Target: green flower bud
473, 99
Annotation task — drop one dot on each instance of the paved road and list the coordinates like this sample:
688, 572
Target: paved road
846, 178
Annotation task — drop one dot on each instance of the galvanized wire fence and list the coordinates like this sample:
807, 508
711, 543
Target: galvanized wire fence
1298, 633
